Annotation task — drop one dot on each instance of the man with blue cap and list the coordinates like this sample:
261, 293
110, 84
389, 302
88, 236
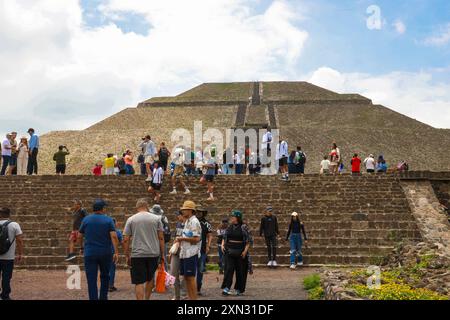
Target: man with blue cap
99, 233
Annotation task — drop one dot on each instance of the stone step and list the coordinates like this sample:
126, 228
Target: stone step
62, 242
257, 250
355, 259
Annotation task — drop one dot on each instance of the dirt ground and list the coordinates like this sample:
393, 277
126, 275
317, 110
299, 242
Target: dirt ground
264, 284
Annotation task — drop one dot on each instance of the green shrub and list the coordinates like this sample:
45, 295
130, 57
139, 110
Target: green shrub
316, 293
311, 282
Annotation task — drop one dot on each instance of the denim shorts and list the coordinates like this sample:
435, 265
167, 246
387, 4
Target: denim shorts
13, 160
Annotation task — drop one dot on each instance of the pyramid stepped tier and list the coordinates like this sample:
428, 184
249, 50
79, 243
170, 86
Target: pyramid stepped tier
305, 114
349, 220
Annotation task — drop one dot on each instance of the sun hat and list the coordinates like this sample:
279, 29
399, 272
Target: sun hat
188, 205
294, 214
236, 213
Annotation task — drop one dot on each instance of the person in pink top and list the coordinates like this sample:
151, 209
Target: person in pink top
129, 163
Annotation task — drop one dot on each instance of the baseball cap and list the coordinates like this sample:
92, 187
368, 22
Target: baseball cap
236, 213
99, 204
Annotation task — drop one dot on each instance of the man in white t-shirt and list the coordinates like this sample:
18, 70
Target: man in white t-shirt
8, 249
266, 149
325, 165
6, 153
157, 180
370, 164
282, 154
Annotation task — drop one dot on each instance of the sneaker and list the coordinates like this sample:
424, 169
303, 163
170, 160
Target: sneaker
238, 293
174, 191
112, 289
220, 271
71, 257
274, 264
292, 266
187, 191
149, 179
210, 199
300, 263
269, 264
226, 292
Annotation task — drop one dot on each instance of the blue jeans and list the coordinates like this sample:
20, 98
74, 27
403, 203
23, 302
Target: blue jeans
129, 170
6, 160
219, 249
226, 169
239, 168
112, 275
200, 270
6, 271
91, 265
295, 242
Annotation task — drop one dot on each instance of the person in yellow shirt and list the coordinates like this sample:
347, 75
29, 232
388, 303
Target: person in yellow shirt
109, 164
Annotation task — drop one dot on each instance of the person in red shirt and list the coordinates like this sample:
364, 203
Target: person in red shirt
97, 170
356, 164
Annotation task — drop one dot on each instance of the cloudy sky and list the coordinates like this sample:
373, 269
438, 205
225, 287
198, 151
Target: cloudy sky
66, 64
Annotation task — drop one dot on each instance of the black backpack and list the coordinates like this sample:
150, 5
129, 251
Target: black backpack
5, 241
301, 157
166, 227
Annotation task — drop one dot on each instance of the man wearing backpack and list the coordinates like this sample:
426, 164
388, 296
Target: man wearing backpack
11, 240
164, 155
300, 160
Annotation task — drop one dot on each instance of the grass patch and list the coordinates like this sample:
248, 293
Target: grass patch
312, 285
212, 267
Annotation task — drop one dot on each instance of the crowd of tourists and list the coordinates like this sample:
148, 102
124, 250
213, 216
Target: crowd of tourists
149, 245
19, 158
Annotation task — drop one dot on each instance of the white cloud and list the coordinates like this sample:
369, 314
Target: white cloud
413, 94
57, 73
399, 26
440, 39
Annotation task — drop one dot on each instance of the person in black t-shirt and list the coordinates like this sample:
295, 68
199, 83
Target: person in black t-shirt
269, 228
206, 238
78, 214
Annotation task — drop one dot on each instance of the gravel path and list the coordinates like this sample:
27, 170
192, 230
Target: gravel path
264, 284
